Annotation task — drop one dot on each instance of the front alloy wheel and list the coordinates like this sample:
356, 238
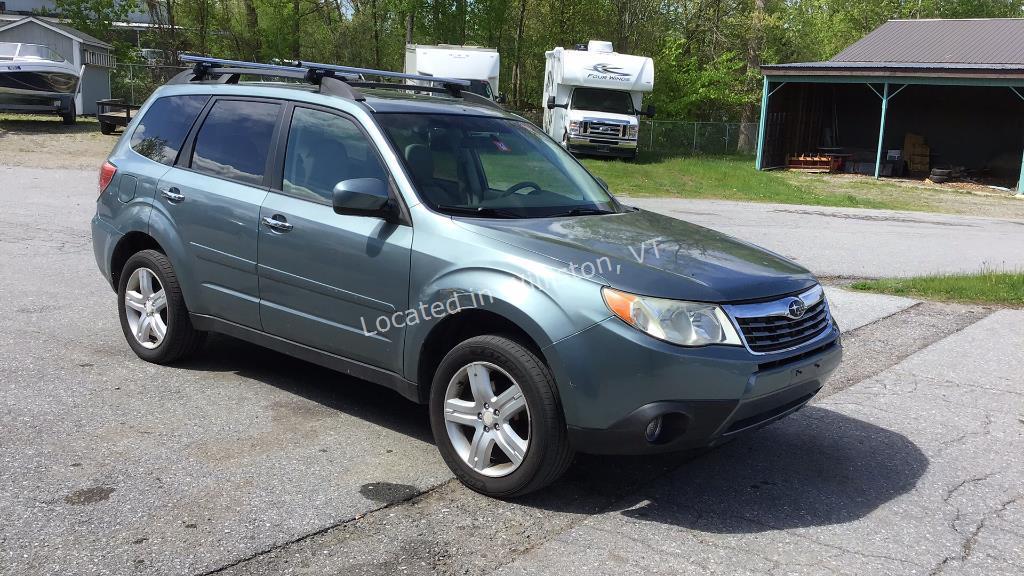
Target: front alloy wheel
497, 419
484, 410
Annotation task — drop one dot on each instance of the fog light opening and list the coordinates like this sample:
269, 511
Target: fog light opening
653, 429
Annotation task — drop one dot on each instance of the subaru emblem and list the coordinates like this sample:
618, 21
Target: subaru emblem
797, 308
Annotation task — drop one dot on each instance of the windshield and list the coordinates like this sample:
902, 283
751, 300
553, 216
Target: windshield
600, 100
9, 50
492, 167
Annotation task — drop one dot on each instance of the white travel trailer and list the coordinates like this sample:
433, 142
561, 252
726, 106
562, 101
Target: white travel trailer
592, 98
478, 65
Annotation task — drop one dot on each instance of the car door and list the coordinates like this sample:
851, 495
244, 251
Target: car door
327, 280
213, 196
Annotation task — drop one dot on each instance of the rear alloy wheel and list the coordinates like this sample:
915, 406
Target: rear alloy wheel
153, 315
145, 307
496, 417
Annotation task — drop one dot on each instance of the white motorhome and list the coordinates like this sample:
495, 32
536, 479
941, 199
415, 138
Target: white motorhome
592, 98
478, 65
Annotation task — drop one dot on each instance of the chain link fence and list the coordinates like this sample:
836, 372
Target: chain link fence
681, 138
133, 83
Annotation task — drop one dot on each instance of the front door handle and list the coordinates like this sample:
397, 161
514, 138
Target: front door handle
173, 195
277, 223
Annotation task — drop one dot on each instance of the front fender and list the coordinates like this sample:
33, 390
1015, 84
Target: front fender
547, 311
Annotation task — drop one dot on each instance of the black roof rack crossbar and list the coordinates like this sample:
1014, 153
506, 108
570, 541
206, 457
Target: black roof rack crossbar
382, 73
205, 66
397, 86
332, 79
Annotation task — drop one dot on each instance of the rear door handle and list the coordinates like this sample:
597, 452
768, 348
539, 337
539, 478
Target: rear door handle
173, 195
277, 223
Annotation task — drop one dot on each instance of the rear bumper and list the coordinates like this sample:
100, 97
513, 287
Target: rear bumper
104, 239
704, 396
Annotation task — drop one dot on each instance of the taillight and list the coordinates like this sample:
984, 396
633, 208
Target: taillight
107, 172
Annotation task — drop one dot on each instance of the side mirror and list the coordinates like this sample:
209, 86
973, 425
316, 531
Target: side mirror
552, 105
601, 182
363, 197
650, 111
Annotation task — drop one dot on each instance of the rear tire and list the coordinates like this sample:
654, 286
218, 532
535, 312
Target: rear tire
106, 128
547, 451
152, 310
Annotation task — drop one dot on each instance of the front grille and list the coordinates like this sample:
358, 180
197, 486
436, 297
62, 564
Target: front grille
774, 333
604, 129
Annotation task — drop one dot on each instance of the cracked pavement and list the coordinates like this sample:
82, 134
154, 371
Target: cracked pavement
242, 461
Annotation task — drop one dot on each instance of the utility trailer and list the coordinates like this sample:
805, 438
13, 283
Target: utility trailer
114, 112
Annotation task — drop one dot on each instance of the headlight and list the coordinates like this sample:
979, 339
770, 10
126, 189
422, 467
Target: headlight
633, 132
574, 127
675, 321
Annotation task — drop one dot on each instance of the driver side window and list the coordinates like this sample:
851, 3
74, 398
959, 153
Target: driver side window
324, 149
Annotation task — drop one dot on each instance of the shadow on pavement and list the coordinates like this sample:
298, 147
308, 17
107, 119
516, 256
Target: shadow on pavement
817, 467
329, 388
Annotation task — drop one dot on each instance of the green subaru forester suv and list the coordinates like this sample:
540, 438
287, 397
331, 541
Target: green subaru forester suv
418, 237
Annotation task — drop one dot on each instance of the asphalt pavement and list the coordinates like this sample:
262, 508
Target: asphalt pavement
244, 461
860, 243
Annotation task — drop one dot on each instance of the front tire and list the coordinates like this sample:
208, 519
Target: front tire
496, 418
152, 310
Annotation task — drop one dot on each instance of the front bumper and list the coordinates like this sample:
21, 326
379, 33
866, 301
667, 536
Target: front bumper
613, 380
602, 146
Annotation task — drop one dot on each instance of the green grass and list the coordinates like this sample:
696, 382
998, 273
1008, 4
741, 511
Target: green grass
734, 178
987, 287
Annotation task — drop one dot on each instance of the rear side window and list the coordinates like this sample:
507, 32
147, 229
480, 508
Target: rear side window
234, 140
165, 125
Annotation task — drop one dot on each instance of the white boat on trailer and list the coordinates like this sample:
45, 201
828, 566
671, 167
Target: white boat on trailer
36, 79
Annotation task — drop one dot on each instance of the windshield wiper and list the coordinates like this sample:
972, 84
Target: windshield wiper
481, 211
581, 212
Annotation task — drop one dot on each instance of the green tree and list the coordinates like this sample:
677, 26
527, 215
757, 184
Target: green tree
95, 17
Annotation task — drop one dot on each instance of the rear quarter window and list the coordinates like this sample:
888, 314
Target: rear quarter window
235, 139
162, 130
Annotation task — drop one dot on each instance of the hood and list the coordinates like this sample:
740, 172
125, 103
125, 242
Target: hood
653, 255
586, 115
